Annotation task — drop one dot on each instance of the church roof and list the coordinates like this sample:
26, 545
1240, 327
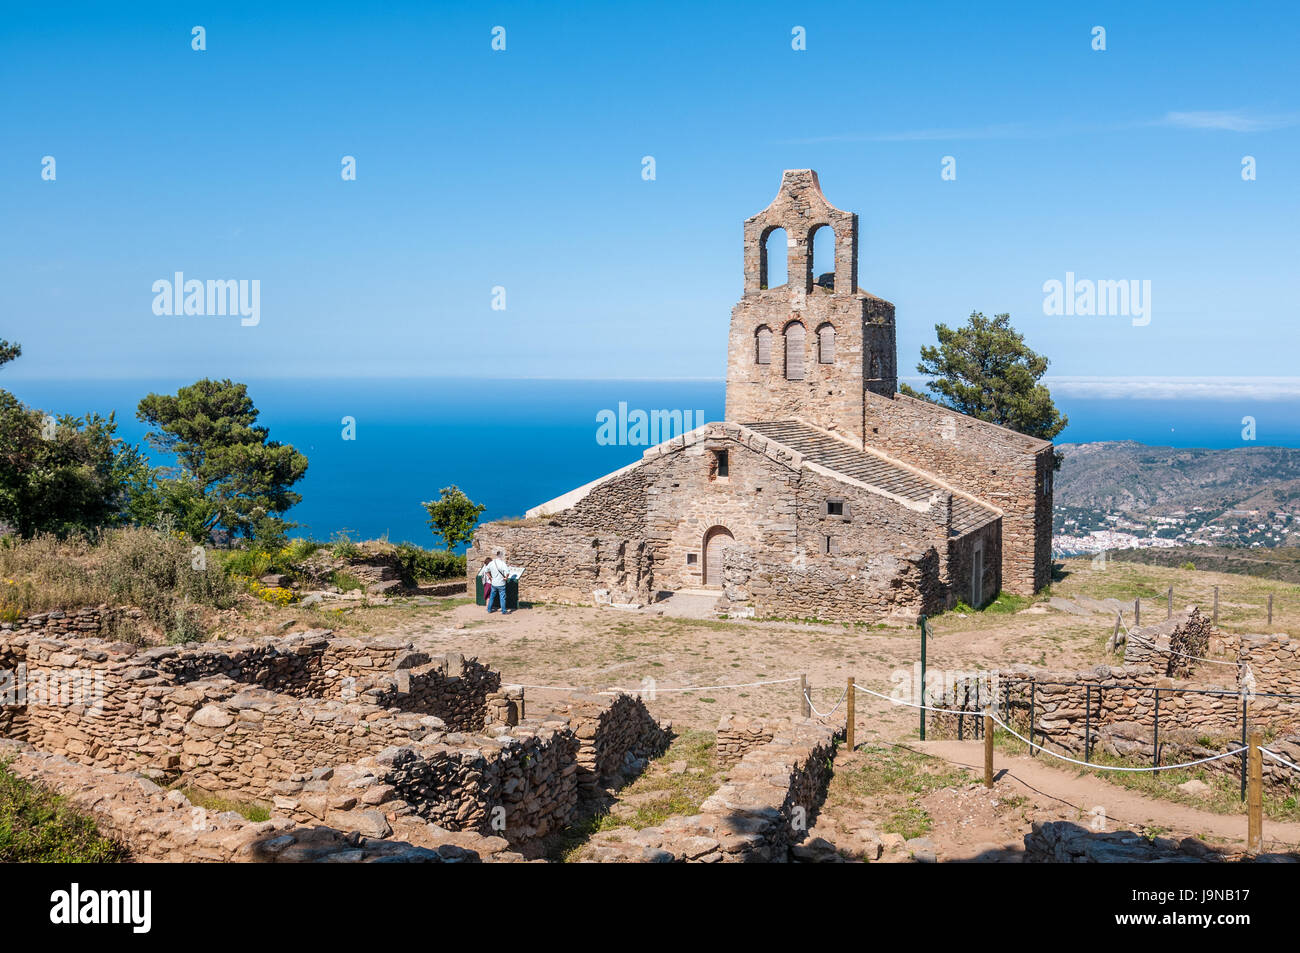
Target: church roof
875, 469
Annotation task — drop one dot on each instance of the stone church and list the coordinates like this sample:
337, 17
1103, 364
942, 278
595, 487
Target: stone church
824, 493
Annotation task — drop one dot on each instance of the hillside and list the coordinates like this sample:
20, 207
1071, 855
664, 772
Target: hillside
1244, 496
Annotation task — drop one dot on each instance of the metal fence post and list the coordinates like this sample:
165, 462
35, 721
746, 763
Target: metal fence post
1155, 741
851, 717
1087, 726
922, 678
1255, 804
1033, 691
1245, 755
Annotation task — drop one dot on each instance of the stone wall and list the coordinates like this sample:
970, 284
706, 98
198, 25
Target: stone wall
253, 744
520, 784
1009, 470
887, 559
615, 739
738, 735
1113, 708
371, 757
567, 563
110, 704
156, 825
768, 801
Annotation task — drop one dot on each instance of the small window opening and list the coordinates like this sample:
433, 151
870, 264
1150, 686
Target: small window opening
719, 468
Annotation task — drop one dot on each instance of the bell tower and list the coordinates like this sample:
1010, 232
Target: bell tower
810, 348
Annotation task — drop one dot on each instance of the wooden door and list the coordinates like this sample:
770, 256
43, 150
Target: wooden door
718, 538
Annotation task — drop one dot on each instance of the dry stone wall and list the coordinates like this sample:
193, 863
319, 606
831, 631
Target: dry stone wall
371, 758
766, 805
615, 739
156, 825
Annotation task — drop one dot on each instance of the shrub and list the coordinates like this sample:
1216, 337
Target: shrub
343, 546
160, 573
430, 563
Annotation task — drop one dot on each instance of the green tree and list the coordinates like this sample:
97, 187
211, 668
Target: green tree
453, 516
984, 369
59, 475
9, 352
231, 474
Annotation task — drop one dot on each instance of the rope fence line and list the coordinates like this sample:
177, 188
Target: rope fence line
1277, 757
656, 689
1083, 764
823, 715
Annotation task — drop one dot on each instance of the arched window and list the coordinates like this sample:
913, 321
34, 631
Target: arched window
826, 344
763, 345
794, 351
774, 266
821, 260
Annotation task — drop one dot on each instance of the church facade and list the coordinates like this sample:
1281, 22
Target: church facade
825, 493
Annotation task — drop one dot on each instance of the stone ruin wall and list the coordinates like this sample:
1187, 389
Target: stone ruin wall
775, 785
408, 743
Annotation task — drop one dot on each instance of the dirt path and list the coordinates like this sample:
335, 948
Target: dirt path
1070, 797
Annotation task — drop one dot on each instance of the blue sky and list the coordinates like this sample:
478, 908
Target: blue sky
523, 169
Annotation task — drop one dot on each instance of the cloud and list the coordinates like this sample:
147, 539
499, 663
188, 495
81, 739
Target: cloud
1229, 120
1224, 120
1176, 388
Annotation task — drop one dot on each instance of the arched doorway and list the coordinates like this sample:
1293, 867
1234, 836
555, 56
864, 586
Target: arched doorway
715, 540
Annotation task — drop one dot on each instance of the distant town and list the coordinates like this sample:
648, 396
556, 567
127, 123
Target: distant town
1081, 530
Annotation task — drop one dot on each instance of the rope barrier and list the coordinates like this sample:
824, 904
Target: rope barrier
638, 691
695, 688
1082, 764
1277, 757
843, 695
1109, 767
899, 701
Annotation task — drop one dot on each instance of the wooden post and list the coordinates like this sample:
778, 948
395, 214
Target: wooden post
1137, 611
988, 750
852, 715
1216, 605
1114, 637
1169, 614
1270, 608
1255, 796
804, 709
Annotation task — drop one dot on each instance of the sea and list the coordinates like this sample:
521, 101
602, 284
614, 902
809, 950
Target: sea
378, 448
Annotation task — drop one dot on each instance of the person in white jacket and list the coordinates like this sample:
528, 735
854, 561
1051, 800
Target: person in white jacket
496, 573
